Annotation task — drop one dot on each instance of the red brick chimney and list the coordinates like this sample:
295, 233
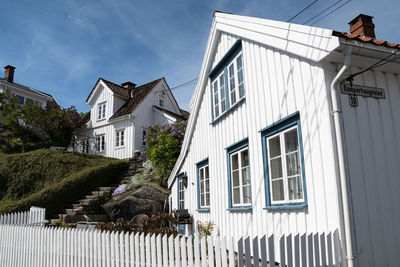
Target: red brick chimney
9, 73
363, 26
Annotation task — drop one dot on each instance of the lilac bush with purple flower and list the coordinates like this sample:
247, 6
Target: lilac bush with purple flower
164, 143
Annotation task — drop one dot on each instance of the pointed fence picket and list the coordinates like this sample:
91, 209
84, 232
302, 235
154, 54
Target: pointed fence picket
35, 216
43, 246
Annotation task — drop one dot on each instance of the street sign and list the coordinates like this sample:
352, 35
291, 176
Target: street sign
361, 90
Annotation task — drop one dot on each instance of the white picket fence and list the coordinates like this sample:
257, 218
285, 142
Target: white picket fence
41, 246
34, 216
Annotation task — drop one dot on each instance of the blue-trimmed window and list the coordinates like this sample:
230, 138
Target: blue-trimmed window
227, 81
203, 186
284, 164
239, 176
181, 190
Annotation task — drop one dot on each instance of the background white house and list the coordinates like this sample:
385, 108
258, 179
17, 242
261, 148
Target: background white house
120, 115
23, 93
279, 142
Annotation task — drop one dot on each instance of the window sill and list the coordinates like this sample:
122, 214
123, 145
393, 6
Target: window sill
231, 108
119, 147
287, 206
242, 208
203, 210
103, 119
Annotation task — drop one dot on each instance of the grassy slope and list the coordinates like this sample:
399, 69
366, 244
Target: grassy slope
51, 179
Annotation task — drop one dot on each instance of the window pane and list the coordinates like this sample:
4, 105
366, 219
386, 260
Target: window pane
293, 164
233, 97
28, 101
245, 176
295, 188
20, 99
276, 168
201, 174
207, 185
201, 199
274, 145
244, 158
207, 172
215, 86
236, 196
239, 62
235, 178
291, 143
201, 187
277, 190
241, 89
208, 199
216, 110
235, 162
246, 194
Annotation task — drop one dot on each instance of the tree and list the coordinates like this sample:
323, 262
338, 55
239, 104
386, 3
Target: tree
163, 147
30, 123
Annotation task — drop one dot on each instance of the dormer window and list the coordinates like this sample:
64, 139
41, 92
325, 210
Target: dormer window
101, 111
161, 103
227, 82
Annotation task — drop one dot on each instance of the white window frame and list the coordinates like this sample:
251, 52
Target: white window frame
119, 138
236, 85
161, 103
181, 194
100, 142
203, 181
85, 145
241, 185
285, 177
101, 111
219, 97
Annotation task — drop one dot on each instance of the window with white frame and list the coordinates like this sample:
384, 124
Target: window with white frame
227, 81
101, 114
181, 193
100, 142
85, 145
119, 138
203, 180
219, 95
239, 175
161, 103
283, 154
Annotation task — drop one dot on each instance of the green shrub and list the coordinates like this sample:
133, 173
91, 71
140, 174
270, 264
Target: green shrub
205, 229
163, 147
52, 179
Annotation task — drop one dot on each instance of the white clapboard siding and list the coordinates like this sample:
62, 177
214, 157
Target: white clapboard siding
41, 247
35, 215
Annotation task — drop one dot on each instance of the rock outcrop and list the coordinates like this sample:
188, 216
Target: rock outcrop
147, 199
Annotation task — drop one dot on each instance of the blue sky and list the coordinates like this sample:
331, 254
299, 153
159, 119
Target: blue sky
63, 47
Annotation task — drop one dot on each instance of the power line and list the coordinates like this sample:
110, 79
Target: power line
331, 12
323, 11
185, 84
304, 9
375, 65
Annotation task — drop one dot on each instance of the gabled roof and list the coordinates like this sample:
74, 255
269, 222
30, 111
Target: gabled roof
138, 94
183, 116
28, 89
307, 42
365, 39
117, 89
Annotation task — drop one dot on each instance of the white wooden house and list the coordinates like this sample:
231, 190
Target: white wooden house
120, 115
23, 93
279, 141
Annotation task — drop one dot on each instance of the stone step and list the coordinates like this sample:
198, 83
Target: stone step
74, 206
67, 211
92, 196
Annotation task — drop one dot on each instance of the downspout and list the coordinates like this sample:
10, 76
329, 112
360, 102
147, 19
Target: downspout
337, 116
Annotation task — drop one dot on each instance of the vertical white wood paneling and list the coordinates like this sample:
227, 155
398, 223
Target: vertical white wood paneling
277, 85
372, 132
